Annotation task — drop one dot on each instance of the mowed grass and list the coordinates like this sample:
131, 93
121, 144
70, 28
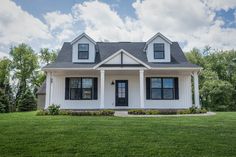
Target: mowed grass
24, 134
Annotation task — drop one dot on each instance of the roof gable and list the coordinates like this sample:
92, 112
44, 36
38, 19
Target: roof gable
122, 57
81, 36
159, 35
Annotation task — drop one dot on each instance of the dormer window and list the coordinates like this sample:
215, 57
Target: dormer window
159, 50
83, 51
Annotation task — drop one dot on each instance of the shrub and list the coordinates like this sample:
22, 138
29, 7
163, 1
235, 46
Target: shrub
106, 113
136, 112
42, 113
152, 112
93, 113
168, 112
82, 113
187, 111
54, 109
64, 112
144, 112
192, 110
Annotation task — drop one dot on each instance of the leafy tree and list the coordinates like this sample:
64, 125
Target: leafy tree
6, 95
217, 79
27, 101
46, 56
24, 64
217, 94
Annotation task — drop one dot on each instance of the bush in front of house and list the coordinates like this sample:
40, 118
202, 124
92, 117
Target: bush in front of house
192, 110
93, 113
42, 113
54, 109
144, 112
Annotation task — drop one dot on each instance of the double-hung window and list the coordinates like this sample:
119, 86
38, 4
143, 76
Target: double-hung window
83, 51
81, 88
162, 88
159, 50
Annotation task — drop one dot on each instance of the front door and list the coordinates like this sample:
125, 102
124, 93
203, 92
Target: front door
121, 92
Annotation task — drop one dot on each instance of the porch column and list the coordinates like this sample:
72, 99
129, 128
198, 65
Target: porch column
102, 87
196, 90
141, 85
48, 89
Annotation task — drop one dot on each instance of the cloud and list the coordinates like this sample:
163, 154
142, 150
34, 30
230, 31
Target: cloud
2, 55
17, 25
57, 19
192, 22
221, 4
102, 22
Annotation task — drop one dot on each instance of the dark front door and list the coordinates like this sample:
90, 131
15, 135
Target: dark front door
121, 92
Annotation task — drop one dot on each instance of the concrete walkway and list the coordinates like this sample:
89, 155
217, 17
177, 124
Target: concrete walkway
125, 114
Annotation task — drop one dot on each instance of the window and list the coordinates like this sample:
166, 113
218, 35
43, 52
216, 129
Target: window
81, 88
162, 88
159, 50
83, 51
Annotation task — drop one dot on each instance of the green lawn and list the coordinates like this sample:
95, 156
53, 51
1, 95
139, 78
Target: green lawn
24, 134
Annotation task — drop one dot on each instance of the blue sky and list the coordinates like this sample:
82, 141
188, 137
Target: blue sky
49, 23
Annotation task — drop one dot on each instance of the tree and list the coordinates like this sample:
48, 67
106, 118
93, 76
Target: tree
24, 64
46, 56
6, 95
217, 79
27, 101
217, 94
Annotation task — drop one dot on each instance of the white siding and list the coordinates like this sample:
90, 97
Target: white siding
128, 60
133, 90
150, 52
58, 96
117, 60
185, 95
92, 52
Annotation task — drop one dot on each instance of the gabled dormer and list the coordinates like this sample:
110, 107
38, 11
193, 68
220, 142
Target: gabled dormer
83, 49
158, 49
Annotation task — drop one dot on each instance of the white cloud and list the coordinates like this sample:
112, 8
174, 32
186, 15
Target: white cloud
191, 22
2, 55
57, 19
17, 25
102, 22
221, 4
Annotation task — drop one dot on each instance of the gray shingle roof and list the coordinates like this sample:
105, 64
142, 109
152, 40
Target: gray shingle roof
106, 49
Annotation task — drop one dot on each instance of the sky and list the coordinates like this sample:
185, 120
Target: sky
49, 23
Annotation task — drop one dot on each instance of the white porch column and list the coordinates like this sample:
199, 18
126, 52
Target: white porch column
48, 89
102, 87
141, 85
196, 90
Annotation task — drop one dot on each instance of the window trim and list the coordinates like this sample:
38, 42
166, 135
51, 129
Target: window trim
83, 51
81, 88
158, 51
162, 88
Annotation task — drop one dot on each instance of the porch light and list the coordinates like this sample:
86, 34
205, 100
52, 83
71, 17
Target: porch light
112, 83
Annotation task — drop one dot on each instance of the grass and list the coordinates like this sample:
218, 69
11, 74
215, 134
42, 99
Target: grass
24, 134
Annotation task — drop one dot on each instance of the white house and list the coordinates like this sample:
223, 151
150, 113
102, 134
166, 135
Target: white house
121, 75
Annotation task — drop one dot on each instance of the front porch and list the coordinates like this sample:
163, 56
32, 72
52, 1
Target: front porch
108, 92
